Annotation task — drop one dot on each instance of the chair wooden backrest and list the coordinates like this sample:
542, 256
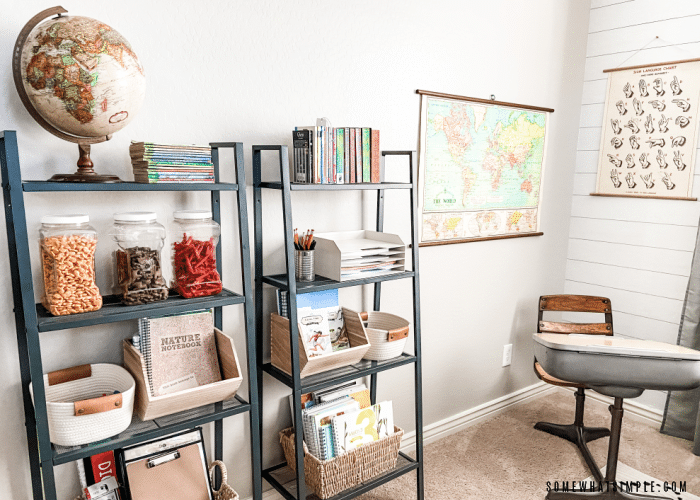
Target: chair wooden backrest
575, 303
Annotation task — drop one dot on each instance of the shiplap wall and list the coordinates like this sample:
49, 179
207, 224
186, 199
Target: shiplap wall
637, 252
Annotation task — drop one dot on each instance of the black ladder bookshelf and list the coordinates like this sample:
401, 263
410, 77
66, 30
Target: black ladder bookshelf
31, 319
287, 281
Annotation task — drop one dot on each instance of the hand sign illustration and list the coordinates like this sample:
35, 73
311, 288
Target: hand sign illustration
615, 161
634, 142
678, 160
616, 126
615, 179
682, 121
617, 142
653, 143
657, 105
648, 181
632, 126
630, 161
677, 141
659, 87
649, 125
663, 124
637, 104
643, 160
661, 159
621, 107
643, 88
667, 180
676, 86
683, 104
630, 180
627, 90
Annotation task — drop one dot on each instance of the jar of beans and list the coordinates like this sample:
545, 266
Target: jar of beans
140, 239
67, 246
195, 236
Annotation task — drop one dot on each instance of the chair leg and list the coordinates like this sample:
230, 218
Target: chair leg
578, 434
609, 485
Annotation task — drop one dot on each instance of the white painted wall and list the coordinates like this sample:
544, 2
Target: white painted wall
250, 72
637, 252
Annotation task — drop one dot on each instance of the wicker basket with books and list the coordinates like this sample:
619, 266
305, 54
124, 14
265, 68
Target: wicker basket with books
330, 477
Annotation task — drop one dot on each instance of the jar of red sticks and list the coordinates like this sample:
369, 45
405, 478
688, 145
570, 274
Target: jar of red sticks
195, 236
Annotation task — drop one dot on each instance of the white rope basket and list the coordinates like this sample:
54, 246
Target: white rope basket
380, 327
88, 403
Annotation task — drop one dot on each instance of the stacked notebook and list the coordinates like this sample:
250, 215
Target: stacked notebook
154, 163
179, 352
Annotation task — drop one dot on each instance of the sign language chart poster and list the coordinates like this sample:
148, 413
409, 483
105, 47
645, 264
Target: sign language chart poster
649, 134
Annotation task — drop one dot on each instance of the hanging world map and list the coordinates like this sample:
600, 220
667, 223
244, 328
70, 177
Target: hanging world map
81, 76
481, 169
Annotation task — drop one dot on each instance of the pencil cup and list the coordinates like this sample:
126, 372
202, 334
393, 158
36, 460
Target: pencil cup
304, 265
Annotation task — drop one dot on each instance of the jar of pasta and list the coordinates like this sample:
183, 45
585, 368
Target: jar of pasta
195, 236
67, 246
140, 239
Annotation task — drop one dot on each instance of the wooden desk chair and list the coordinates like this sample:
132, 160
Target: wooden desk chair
576, 433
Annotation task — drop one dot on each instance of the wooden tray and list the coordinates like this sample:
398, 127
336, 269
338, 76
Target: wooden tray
282, 358
148, 407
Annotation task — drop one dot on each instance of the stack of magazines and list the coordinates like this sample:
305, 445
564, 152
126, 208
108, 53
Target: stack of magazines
155, 163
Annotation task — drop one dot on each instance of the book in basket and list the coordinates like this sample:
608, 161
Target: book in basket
180, 352
353, 429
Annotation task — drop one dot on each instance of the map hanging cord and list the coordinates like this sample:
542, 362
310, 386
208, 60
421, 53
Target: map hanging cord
638, 51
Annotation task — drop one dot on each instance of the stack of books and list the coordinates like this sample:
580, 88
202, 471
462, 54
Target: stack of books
154, 163
323, 154
340, 419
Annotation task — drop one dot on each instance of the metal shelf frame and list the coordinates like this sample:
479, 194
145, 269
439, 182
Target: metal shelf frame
287, 281
31, 318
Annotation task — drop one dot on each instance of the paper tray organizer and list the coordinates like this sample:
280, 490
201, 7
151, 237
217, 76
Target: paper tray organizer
281, 357
148, 407
349, 255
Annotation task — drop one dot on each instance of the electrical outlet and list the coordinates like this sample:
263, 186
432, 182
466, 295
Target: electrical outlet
507, 354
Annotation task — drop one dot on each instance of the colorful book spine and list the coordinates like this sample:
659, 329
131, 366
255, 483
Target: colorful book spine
322, 159
346, 159
366, 138
358, 155
340, 155
375, 160
334, 158
317, 156
351, 155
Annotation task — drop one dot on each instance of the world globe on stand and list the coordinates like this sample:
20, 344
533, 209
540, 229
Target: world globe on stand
80, 80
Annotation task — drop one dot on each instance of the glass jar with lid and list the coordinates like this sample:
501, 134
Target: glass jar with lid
67, 246
140, 239
195, 236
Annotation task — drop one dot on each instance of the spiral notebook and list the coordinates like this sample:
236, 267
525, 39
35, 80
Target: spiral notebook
179, 352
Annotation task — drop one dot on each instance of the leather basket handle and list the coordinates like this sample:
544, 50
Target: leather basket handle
397, 334
68, 374
97, 405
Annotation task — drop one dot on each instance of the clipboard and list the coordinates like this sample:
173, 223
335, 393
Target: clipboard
173, 468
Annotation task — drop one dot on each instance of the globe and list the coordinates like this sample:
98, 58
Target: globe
78, 77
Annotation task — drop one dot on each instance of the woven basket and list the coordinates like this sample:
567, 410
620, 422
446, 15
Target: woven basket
387, 334
225, 492
330, 477
88, 403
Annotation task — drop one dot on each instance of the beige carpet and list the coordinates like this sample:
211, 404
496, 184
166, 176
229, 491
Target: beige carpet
505, 458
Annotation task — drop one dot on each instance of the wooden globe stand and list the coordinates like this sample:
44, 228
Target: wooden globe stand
85, 172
